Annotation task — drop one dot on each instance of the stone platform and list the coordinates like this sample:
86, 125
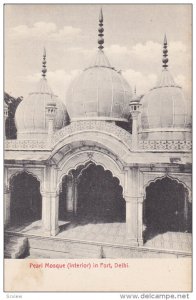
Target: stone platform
95, 236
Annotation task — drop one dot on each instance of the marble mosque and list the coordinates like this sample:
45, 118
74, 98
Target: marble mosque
109, 171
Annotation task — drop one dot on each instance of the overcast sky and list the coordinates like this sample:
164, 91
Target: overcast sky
133, 43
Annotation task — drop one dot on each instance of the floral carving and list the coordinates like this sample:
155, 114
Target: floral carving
26, 145
98, 126
165, 145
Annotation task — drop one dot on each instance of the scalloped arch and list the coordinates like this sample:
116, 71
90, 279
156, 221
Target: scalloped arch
85, 166
13, 176
175, 179
104, 135
115, 173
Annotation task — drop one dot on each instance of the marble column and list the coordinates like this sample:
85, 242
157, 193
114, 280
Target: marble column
134, 131
46, 217
50, 202
140, 220
69, 194
75, 194
6, 206
131, 220
134, 202
54, 213
50, 212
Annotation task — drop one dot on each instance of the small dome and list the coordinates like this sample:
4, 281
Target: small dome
164, 106
100, 92
30, 117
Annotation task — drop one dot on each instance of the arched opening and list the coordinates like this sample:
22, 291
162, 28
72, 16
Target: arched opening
26, 200
91, 195
166, 208
100, 196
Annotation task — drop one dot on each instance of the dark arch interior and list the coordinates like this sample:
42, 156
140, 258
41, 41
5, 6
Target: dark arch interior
26, 200
63, 213
100, 198
166, 208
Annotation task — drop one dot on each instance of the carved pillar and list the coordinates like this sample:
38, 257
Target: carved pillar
54, 214
46, 208
133, 207
140, 220
50, 202
50, 211
134, 131
69, 194
75, 194
72, 195
50, 116
131, 220
6, 206
135, 110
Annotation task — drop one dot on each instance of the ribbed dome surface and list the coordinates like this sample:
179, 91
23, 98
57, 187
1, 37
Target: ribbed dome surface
100, 92
164, 106
30, 118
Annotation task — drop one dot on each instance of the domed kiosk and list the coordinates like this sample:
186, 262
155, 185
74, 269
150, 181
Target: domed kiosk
100, 92
164, 111
31, 118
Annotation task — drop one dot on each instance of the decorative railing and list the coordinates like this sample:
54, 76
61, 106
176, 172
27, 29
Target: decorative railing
165, 145
98, 126
79, 126
27, 145
143, 145
101, 126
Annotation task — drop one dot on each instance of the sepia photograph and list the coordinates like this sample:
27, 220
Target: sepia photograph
97, 138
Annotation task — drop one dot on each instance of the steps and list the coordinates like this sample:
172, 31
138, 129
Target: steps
15, 246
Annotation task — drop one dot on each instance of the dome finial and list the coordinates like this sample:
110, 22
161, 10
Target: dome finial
165, 53
44, 69
100, 30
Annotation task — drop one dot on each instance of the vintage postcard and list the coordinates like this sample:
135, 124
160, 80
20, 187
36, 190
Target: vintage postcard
97, 147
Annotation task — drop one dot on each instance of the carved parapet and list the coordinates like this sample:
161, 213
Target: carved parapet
165, 145
101, 126
27, 145
79, 126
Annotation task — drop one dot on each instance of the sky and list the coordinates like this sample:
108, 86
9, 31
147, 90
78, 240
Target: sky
133, 37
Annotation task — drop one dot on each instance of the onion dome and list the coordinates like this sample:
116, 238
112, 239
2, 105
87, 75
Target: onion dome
31, 120
164, 106
100, 92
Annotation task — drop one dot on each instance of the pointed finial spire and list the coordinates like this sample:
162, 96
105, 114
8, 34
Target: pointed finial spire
135, 98
100, 30
165, 53
44, 69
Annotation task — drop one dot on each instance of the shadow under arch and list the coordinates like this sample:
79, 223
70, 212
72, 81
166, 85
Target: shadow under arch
26, 199
175, 179
77, 162
99, 195
166, 207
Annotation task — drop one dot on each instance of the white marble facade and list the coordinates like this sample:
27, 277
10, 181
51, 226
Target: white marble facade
57, 140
